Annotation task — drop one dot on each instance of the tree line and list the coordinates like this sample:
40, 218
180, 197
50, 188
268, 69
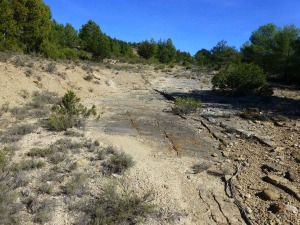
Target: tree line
274, 49
27, 26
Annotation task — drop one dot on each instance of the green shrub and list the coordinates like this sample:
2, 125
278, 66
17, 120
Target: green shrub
186, 105
241, 78
61, 122
125, 207
68, 113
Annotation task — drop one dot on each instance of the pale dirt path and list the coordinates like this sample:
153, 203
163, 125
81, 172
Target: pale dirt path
181, 197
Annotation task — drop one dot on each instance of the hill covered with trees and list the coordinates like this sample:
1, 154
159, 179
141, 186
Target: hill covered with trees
29, 28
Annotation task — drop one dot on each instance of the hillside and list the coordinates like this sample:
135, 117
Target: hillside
182, 164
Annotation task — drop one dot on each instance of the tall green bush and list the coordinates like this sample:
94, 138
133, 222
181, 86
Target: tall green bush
69, 112
242, 78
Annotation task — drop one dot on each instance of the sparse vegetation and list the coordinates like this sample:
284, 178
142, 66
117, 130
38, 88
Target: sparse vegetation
118, 163
28, 72
8, 207
77, 185
51, 67
40, 152
121, 207
15, 133
27, 165
40, 99
46, 188
73, 133
186, 105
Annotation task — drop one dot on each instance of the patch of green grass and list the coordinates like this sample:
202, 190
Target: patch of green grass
186, 105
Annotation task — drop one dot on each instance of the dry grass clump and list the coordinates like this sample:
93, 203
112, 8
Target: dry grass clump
73, 133
15, 133
121, 207
19, 113
4, 56
29, 164
87, 68
77, 185
40, 99
46, 188
8, 206
117, 163
42, 211
51, 67
40, 152
38, 107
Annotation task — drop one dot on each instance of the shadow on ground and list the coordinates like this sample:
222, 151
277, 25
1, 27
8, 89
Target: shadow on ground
274, 105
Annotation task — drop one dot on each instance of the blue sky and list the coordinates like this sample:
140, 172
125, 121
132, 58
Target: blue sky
191, 24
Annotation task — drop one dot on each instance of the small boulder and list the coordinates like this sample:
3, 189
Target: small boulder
248, 210
225, 154
292, 175
269, 194
214, 155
